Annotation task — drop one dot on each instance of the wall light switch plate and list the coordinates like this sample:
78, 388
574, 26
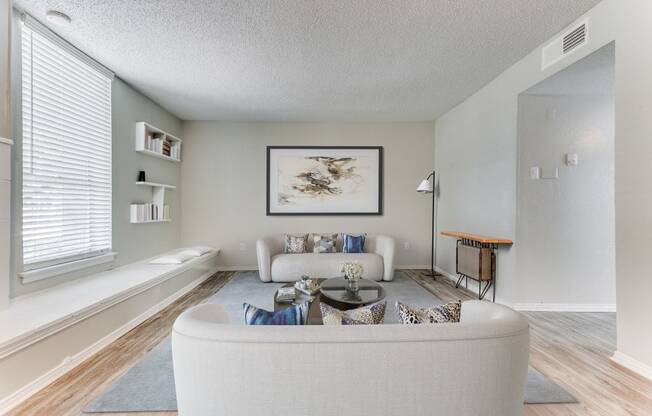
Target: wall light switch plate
243, 246
406, 245
550, 173
572, 159
535, 173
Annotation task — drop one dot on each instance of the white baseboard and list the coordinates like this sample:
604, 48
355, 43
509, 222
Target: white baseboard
413, 267
443, 272
632, 364
25, 392
563, 307
236, 268
542, 307
253, 268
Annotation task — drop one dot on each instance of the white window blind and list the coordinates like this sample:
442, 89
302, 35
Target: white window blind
66, 153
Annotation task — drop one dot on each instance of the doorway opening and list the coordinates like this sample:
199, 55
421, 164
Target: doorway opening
565, 224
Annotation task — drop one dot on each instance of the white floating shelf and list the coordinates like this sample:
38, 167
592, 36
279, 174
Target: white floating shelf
145, 133
158, 155
154, 211
150, 221
154, 184
152, 129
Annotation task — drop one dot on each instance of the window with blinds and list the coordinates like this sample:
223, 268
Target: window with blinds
66, 153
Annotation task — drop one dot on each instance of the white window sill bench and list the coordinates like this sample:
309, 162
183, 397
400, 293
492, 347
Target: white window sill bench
61, 269
33, 317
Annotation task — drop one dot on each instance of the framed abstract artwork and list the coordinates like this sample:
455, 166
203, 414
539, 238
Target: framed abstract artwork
324, 180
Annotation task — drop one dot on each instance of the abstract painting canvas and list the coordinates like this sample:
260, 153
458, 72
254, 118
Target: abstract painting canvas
324, 180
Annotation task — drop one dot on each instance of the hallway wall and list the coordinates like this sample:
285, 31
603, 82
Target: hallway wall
565, 226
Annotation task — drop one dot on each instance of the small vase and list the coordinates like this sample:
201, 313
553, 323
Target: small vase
352, 285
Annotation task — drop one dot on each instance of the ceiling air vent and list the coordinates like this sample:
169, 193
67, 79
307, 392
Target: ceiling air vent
564, 45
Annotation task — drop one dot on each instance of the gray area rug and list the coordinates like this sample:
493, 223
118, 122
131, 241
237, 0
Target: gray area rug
541, 390
149, 385
146, 387
247, 287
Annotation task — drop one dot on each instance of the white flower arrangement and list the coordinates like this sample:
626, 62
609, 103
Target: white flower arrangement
352, 270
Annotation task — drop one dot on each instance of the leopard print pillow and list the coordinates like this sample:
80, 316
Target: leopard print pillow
449, 312
366, 315
295, 244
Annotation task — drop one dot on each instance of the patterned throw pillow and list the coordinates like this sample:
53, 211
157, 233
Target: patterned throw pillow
293, 315
295, 244
353, 243
366, 315
324, 243
449, 312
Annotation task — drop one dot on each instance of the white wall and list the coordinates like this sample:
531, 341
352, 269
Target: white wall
566, 226
475, 158
633, 176
488, 119
224, 174
40, 363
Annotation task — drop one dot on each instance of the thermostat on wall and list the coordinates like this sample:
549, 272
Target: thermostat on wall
572, 159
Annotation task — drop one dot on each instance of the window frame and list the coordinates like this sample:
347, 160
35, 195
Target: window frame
39, 270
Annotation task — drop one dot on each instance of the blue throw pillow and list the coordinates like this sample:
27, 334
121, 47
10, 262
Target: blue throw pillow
293, 315
353, 243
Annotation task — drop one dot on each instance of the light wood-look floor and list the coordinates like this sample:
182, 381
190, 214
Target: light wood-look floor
573, 349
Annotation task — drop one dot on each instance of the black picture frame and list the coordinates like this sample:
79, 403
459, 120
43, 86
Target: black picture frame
379, 211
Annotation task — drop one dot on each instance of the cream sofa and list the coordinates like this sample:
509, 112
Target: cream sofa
476, 367
275, 266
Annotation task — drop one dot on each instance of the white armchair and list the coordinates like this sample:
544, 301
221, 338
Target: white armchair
275, 266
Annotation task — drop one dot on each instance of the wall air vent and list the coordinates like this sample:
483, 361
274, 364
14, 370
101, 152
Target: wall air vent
564, 45
575, 38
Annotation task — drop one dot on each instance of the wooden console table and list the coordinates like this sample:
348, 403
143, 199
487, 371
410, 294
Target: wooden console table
475, 259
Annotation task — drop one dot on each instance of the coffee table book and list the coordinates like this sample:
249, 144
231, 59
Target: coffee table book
286, 295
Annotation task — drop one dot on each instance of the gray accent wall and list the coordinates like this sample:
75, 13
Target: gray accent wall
5, 152
137, 241
132, 242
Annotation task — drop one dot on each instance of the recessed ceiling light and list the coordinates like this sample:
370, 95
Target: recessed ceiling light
58, 17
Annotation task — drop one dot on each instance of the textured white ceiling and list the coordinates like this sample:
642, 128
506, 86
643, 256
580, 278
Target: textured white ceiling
302, 60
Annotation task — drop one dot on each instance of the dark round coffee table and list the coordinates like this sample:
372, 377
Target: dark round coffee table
335, 295
334, 292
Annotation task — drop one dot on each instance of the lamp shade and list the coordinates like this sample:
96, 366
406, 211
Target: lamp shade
425, 186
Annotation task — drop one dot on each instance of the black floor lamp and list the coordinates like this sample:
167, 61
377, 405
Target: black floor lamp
429, 187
